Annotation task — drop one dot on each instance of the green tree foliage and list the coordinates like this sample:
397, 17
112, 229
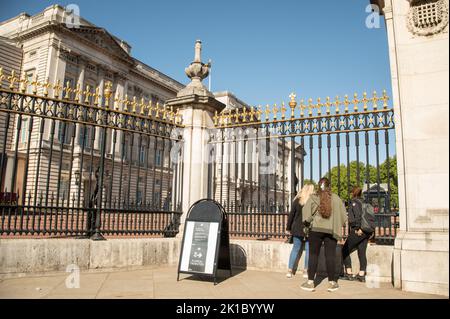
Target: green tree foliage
358, 174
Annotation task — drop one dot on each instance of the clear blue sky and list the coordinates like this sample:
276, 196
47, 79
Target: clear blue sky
261, 50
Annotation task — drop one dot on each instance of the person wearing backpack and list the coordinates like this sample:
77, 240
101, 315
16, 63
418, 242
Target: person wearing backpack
361, 221
323, 216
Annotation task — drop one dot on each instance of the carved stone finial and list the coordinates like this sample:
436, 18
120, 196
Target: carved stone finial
196, 71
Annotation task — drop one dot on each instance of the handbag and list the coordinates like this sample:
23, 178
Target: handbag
307, 224
290, 239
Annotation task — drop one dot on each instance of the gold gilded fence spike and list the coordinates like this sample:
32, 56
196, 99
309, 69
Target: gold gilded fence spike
46, 85
259, 112
12, 79
87, 94
78, 92
283, 110
107, 92
157, 110
150, 108
267, 112
165, 111
244, 115
35, 84
97, 96
364, 101
310, 106
346, 103
23, 84
337, 103
385, 99
67, 90
328, 104
319, 106
117, 101
57, 88
302, 107
375, 100
133, 105
275, 111
355, 102
252, 113
125, 103
142, 106
292, 103
236, 115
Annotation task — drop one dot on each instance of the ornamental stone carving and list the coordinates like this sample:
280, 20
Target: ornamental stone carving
196, 71
427, 17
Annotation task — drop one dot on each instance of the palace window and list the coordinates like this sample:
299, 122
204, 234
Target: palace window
63, 188
158, 158
23, 138
29, 75
142, 155
84, 137
64, 132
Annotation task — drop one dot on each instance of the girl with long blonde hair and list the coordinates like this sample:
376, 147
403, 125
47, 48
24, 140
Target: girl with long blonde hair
295, 227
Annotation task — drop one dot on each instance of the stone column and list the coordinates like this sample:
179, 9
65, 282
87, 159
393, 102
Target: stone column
197, 112
101, 85
121, 89
419, 71
56, 71
82, 70
197, 106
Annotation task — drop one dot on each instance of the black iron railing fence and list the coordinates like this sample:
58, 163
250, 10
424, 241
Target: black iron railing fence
272, 226
82, 163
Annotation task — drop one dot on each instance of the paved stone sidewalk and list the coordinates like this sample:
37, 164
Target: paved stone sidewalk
162, 283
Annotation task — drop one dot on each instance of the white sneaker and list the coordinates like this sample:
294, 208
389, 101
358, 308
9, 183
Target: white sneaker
333, 286
305, 275
289, 275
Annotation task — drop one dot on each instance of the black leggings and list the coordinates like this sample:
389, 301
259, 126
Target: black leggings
355, 242
315, 242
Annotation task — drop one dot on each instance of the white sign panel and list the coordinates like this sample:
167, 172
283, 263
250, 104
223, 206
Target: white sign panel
199, 247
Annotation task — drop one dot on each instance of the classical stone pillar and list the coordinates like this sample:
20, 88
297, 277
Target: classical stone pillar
56, 70
120, 92
197, 106
419, 70
100, 87
80, 82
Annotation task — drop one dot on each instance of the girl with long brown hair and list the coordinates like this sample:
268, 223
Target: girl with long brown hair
325, 215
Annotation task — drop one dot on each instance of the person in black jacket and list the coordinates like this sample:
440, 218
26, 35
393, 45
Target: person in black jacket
295, 227
357, 238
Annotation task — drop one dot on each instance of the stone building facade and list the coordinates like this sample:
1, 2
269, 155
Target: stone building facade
49, 49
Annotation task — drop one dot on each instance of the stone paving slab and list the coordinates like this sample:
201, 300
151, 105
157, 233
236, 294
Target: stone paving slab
162, 283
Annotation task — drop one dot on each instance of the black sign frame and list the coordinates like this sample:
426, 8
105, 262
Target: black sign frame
199, 212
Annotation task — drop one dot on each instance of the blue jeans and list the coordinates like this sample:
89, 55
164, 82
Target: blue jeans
298, 244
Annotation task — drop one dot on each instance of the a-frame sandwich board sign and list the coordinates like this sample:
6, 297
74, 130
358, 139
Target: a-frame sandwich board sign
205, 247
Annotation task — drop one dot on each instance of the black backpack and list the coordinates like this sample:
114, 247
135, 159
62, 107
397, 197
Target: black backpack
367, 218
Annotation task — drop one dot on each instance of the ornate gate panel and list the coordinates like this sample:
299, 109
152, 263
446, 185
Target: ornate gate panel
261, 157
